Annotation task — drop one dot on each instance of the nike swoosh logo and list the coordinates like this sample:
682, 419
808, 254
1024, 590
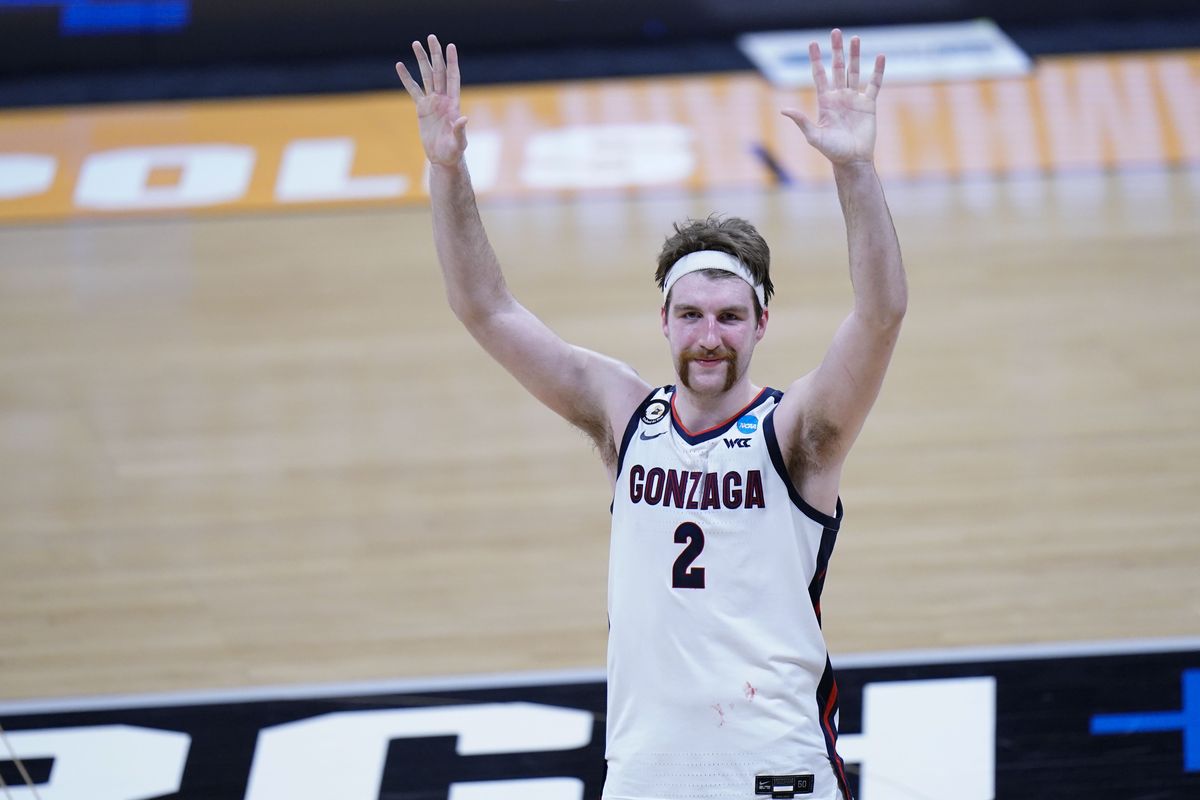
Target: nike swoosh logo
646, 438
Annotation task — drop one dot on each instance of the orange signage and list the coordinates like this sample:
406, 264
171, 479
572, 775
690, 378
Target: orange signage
695, 132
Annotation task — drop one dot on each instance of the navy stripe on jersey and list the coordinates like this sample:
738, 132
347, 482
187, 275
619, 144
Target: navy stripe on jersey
824, 553
632, 426
830, 523
827, 708
712, 433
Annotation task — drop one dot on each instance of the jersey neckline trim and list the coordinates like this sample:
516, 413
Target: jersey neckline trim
711, 433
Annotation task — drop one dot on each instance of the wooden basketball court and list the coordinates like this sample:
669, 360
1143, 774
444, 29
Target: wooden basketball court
258, 449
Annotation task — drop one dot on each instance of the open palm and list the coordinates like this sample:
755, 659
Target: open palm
845, 128
442, 126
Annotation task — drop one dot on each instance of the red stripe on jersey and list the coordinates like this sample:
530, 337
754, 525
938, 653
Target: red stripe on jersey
729, 421
826, 720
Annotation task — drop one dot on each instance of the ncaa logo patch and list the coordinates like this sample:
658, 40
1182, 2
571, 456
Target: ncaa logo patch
655, 411
748, 424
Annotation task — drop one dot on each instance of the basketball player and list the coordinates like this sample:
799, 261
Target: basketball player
726, 502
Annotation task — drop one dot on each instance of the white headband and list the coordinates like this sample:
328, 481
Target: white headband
712, 259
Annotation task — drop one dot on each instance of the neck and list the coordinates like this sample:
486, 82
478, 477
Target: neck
700, 412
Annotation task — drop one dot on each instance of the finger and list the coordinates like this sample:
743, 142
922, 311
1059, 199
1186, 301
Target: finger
409, 83
439, 64
876, 77
818, 69
425, 67
855, 52
839, 60
453, 78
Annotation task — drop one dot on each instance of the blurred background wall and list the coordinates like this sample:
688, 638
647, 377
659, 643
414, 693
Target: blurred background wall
55, 51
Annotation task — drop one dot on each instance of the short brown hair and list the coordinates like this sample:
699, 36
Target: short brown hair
732, 235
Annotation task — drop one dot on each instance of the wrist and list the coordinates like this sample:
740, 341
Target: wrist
854, 169
455, 166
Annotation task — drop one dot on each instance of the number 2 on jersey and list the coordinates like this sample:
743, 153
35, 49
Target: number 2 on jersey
684, 575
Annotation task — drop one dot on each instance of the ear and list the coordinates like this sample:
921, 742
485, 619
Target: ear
762, 326
663, 315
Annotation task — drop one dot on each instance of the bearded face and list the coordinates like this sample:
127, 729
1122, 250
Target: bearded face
712, 329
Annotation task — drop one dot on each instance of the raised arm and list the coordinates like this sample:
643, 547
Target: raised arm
822, 414
591, 391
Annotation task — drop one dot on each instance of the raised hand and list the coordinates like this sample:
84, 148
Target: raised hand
443, 128
845, 128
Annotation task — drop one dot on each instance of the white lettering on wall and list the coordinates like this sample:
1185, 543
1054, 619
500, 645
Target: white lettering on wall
342, 755
319, 169
209, 174
103, 762
926, 740
602, 156
25, 174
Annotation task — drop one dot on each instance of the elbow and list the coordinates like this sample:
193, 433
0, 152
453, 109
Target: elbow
895, 315
898, 307
889, 321
473, 317
467, 306
895, 302
881, 294
463, 311
886, 314
474, 314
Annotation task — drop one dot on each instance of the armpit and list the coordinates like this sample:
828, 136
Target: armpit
602, 440
815, 448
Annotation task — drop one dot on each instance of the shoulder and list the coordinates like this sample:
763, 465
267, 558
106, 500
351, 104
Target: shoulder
621, 394
652, 409
626, 396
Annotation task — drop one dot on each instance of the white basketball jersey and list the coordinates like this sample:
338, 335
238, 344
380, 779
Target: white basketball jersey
719, 682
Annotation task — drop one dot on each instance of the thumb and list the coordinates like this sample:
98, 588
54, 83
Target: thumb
807, 127
459, 129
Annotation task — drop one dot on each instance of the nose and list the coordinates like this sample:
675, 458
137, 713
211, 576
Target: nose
710, 339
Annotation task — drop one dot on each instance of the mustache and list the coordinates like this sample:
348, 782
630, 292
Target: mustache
727, 356
703, 355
